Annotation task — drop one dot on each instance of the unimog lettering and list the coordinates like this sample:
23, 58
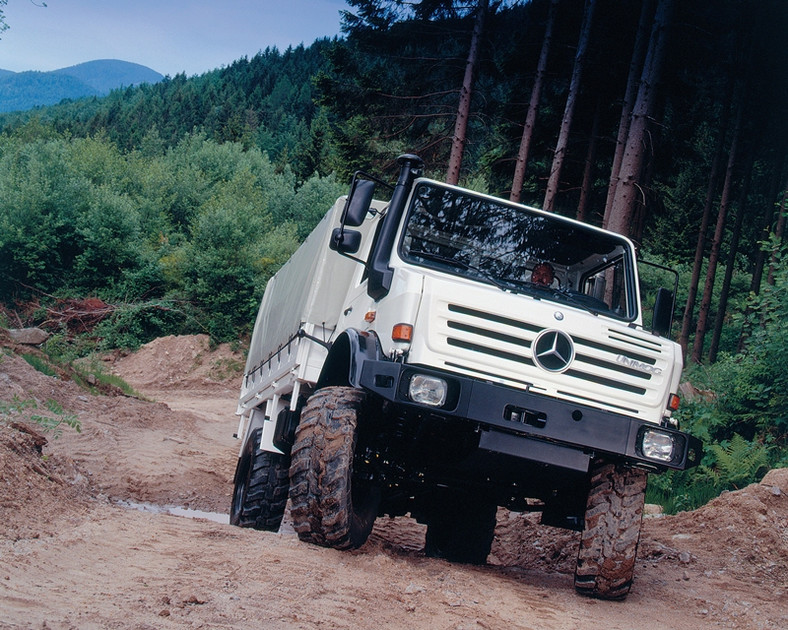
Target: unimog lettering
633, 363
442, 353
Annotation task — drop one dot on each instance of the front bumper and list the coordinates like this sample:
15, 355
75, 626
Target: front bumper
532, 426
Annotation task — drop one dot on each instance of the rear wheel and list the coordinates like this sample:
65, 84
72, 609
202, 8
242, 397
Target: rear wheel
260, 487
609, 541
330, 507
460, 527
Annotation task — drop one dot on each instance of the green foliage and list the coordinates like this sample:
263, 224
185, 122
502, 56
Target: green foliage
135, 324
56, 418
186, 238
678, 491
90, 374
742, 414
740, 462
38, 363
730, 465
76, 360
264, 102
751, 386
52, 418
16, 405
3, 23
310, 201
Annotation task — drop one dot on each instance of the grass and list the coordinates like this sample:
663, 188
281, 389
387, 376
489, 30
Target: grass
40, 363
59, 357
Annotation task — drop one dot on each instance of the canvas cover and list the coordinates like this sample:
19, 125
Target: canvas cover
311, 287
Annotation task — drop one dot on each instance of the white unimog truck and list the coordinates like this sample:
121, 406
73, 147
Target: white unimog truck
404, 360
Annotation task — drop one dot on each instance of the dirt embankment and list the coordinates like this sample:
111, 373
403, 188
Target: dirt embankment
74, 555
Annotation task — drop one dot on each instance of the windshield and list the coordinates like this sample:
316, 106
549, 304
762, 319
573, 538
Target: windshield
519, 250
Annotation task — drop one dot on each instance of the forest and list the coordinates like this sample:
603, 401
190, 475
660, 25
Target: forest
170, 205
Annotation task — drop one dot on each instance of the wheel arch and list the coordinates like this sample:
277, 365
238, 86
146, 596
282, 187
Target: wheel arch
342, 367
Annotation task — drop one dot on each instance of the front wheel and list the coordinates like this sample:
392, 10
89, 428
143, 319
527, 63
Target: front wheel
260, 487
609, 541
330, 507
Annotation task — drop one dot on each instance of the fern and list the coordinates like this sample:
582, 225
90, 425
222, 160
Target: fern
740, 462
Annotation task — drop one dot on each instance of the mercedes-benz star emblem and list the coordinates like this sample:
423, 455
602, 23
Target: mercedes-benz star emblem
553, 350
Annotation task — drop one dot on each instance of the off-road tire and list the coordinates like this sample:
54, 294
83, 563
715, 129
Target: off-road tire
460, 528
328, 506
609, 541
260, 487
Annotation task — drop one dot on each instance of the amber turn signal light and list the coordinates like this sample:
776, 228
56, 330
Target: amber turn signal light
402, 332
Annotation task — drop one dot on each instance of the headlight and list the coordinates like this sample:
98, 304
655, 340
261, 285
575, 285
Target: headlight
428, 390
657, 445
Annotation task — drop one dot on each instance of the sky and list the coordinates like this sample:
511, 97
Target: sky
169, 36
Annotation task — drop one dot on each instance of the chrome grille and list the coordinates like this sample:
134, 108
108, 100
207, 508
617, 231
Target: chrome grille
612, 369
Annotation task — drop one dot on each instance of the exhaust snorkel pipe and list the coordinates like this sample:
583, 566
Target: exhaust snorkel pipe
379, 272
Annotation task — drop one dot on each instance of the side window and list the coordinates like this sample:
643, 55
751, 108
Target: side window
607, 285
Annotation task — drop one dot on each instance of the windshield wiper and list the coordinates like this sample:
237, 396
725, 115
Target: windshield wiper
567, 294
459, 263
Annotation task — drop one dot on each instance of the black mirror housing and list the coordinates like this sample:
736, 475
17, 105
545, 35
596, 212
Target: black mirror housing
345, 241
359, 202
662, 319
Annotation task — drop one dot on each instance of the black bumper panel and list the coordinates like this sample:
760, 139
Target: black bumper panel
532, 426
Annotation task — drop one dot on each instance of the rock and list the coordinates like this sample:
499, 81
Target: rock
777, 477
652, 509
28, 336
689, 392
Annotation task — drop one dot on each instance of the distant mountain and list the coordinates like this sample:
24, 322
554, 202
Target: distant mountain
105, 75
25, 90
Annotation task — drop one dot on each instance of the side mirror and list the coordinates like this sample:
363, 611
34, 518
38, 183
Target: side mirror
662, 319
358, 202
345, 241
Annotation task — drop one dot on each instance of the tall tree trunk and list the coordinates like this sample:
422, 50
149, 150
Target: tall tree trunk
779, 232
569, 109
779, 189
640, 211
627, 188
588, 169
530, 117
630, 93
700, 247
719, 234
464, 109
722, 306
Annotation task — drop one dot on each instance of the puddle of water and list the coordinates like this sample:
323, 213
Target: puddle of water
211, 516
176, 511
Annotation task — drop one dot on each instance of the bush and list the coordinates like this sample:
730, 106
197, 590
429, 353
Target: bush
133, 325
744, 425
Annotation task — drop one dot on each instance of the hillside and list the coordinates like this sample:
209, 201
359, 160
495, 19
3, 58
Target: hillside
25, 90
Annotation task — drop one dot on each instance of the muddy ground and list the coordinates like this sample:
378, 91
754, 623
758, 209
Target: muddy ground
86, 542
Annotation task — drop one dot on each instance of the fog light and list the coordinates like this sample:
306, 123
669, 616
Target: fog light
428, 390
657, 445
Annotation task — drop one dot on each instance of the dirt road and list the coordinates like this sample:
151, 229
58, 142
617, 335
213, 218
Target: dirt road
73, 554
